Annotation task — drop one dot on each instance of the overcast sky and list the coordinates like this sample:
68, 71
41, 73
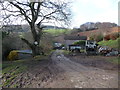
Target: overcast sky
94, 11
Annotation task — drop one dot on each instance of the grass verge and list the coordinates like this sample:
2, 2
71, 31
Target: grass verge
12, 69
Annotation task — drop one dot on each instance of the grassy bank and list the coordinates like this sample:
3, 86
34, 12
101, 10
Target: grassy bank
111, 43
19, 66
12, 69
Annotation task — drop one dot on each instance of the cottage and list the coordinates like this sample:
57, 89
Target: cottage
69, 40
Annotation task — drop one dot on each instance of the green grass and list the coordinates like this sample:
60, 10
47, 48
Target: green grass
14, 68
9, 66
21, 65
9, 80
56, 32
111, 43
15, 86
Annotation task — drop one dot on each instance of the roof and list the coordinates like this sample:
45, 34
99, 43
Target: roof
75, 38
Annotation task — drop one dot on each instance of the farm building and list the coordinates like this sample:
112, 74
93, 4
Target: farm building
69, 40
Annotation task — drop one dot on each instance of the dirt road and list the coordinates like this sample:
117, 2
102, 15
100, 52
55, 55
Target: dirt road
76, 75
63, 72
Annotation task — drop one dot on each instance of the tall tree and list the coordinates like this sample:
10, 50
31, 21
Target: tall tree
36, 14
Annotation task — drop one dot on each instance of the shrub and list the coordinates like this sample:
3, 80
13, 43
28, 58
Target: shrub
9, 43
92, 37
118, 43
114, 36
81, 42
99, 37
107, 37
12, 55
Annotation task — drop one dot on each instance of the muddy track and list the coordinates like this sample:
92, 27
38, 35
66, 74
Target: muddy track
79, 76
61, 72
101, 62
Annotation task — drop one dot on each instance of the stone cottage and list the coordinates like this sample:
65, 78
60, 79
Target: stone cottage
71, 39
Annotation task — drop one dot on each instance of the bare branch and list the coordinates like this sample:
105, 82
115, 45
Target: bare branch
38, 10
27, 42
45, 16
35, 13
22, 12
22, 3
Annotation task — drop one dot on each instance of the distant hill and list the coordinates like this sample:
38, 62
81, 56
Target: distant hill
25, 28
103, 31
98, 25
15, 28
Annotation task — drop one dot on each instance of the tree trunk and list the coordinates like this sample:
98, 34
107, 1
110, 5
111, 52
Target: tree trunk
35, 50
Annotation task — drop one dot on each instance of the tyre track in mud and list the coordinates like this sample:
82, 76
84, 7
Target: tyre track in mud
61, 72
79, 76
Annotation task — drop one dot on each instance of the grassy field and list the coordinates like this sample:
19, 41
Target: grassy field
111, 43
56, 32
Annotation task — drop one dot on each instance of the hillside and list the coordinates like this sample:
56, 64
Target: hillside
26, 28
98, 25
57, 32
104, 31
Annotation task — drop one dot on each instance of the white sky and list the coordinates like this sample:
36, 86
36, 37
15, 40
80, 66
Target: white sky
94, 11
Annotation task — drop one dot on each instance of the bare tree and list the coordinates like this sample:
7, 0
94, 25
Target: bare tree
35, 14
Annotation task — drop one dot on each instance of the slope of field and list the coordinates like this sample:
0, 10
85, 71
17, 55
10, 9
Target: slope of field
104, 31
111, 43
57, 32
